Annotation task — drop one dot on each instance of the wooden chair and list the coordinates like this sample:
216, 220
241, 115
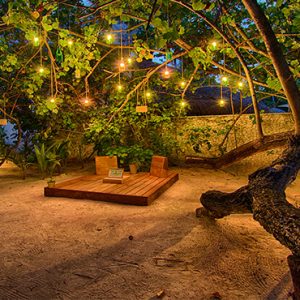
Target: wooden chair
104, 163
159, 166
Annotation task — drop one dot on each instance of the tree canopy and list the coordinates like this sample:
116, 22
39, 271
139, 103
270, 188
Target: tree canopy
83, 66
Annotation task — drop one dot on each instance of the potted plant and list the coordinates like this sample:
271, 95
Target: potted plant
51, 182
133, 167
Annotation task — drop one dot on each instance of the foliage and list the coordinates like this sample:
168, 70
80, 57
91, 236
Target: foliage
47, 158
132, 154
51, 104
207, 138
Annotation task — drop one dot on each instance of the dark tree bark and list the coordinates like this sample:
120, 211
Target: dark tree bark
265, 197
294, 264
265, 193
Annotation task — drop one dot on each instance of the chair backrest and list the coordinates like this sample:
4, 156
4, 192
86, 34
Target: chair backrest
159, 166
104, 163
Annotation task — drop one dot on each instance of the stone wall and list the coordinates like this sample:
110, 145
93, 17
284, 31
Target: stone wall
202, 136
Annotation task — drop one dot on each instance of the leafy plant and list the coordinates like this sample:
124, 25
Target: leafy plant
132, 154
47, 159
198, 137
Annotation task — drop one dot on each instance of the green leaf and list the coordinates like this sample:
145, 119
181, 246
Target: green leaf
198, 5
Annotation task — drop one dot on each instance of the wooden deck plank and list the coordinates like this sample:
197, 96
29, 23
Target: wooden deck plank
138, 189
129, 199
109, 187
128, 183
150, 191
136, 185
156, 193
80, 181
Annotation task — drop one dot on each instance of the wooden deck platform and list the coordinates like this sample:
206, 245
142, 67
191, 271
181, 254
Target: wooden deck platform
137, 189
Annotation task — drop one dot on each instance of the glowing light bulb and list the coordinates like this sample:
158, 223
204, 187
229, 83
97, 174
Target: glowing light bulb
109, 38
41, 70
52, 100
182, 103
122, 65
224, 79
129, 60
70, 42
167, 72
182, 83
36, 40
214, 44
240, 84
86, 101
119, 87
221, 102
148, 94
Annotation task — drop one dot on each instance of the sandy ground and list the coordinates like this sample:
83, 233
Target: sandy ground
56, 248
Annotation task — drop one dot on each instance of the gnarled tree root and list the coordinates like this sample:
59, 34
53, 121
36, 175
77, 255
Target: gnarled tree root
264, 196
294, 265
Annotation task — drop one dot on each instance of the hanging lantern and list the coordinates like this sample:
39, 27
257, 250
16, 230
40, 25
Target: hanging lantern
109, 38
3, 122
41, 70
166, 73
36, 41
224, 78
214, 45
222, 102
182, 83
122, 65
141, 108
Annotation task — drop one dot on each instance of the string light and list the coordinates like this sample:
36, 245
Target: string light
221, 102
148, 94
109, 38
122, 64
224, 78
70, 42
240, 84
41, 70
214, 44
52, 100
129, 60
166, 73
182, 83
183, 103
36, 40
119, 87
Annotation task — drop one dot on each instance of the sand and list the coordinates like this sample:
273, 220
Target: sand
58, 248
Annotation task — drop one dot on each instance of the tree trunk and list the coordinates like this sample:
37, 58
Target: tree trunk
281, 66
265, 193
265, 197
294, 264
